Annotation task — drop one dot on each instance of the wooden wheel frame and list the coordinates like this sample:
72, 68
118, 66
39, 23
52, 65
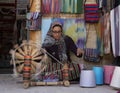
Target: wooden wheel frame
38, 57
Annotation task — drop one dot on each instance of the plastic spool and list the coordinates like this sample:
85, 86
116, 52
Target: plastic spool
87, 78
115, 81
98, 75
108, 73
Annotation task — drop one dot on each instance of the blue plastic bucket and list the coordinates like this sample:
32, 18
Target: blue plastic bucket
99, 75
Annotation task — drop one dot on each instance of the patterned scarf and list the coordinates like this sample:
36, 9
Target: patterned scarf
49, 41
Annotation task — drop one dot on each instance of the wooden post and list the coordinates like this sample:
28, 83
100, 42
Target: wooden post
35, 5
27, 71
35, 35
66, 75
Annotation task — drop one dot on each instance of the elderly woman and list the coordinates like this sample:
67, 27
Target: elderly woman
59, 47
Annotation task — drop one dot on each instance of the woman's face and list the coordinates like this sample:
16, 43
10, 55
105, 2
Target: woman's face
56, 32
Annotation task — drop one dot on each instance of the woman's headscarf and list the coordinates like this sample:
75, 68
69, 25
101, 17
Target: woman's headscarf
53, 25
49, 41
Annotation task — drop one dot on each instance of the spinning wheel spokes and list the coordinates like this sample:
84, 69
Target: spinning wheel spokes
29, 49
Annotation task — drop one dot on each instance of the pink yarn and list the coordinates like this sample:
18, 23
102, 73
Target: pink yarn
118, 91
108, 72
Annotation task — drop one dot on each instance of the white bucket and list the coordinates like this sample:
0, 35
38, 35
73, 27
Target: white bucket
115, 82
87, 78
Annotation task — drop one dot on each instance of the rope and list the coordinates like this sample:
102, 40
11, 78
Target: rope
54, 58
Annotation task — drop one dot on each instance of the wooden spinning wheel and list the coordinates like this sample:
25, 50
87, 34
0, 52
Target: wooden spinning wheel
31, 49
28, 57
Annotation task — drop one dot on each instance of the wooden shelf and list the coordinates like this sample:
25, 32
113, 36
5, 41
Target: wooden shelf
8, 4
7, 30
7, 20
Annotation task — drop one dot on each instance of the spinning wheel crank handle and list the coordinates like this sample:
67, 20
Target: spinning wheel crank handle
27, 71
66, 83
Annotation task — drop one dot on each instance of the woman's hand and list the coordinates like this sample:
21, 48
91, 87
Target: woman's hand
79, 52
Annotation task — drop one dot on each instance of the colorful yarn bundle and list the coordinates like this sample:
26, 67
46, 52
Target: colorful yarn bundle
91, 13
